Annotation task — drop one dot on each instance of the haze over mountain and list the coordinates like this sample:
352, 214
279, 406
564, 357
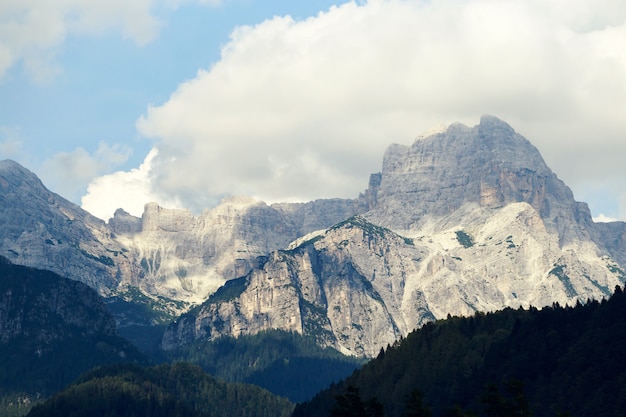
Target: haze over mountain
468, 219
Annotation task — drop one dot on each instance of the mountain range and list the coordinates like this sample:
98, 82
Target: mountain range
468, 219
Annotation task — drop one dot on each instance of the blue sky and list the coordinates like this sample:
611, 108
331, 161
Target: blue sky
114, 104
105, 81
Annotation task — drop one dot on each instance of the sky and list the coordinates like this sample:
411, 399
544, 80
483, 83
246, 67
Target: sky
115, 103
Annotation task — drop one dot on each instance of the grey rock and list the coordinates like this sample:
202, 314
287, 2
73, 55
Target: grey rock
41, 229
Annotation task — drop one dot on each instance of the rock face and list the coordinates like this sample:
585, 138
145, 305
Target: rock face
358, 286
188, 257
489, 165
41, 229
467, 220
340, 286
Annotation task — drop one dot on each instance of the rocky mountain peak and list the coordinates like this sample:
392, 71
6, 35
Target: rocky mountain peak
123, 222
13, 176
42, 229
488, 165
465, 219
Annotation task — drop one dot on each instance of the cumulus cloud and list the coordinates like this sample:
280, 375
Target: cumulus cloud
71, 172
32, 31
305, 109
130, 190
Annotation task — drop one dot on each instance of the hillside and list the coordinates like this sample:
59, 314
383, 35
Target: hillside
177, 390
556, 360
287, 364
52, 329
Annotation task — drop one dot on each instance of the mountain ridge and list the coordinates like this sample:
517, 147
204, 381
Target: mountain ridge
480, 222
480, 228
51, 330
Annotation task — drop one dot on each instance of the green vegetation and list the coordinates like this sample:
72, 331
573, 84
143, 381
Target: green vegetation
53, 330
143, 319
559, 272
18, 405
369, 228
230, 290
105, 260
464, 239
358, 222
140, 308
551, 362
615, 269
361, 223
176, 390
285, 363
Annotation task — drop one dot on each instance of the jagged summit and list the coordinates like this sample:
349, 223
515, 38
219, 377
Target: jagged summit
15, 178
488, 166
42, 229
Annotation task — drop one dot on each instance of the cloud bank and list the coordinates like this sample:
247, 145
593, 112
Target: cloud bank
298, 110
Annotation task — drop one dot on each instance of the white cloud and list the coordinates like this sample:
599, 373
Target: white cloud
130, 190
70, 172
32, 31
602, 218
305, 109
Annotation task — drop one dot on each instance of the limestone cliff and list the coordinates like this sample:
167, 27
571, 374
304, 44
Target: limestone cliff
358, 286
489, 164
188, 257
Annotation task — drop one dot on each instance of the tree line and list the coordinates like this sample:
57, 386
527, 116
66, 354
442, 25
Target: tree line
557, 361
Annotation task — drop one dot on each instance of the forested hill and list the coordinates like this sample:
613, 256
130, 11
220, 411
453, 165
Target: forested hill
52, 329
558, 361
168, 390
287, 364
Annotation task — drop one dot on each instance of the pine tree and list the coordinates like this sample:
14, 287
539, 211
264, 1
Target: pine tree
414, 406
